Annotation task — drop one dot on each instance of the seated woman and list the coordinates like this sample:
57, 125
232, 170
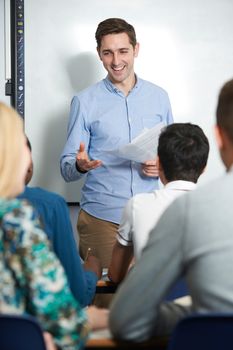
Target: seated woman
55, 221
32, 279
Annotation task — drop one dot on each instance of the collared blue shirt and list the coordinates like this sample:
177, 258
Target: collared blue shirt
104, 119
54, 215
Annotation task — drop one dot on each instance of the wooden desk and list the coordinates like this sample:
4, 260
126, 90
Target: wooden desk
159, 343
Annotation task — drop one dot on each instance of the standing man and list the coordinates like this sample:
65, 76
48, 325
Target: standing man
104, 117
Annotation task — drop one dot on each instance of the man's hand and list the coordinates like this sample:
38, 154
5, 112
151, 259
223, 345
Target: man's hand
150, 168
84, 164
92, 263
97, 318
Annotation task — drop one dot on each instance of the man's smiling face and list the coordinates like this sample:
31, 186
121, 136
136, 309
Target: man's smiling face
117, 54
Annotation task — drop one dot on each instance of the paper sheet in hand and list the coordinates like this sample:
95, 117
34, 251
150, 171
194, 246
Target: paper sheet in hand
143, 147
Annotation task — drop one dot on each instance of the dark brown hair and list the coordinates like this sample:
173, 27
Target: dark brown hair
183, 151
115, 26
224, 111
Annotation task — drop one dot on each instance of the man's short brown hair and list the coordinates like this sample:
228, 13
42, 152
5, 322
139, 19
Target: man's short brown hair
115, 26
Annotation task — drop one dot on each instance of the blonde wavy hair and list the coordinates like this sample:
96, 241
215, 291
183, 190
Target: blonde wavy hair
11, 129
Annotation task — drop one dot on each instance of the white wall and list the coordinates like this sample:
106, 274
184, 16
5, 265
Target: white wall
185, 46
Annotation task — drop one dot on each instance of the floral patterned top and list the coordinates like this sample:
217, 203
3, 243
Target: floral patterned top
32, 279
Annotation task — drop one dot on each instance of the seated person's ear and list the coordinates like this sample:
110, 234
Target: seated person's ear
224, 142
218, 136
203, 170
161, 173
158, 163
29, 173
159, 166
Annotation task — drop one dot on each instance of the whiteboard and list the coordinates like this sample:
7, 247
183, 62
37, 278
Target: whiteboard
185, 46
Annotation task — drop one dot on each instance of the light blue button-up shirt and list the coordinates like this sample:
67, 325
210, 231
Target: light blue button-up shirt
104, 119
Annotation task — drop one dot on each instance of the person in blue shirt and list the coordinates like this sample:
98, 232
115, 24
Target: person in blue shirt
103, 117
55, 220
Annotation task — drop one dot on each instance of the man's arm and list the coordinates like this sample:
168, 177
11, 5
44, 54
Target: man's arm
169, 116
121, 258
136, 309
77, 132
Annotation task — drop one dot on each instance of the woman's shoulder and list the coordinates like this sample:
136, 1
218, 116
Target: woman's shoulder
20, 222
17, 210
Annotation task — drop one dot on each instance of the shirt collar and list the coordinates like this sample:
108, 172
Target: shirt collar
111, 87
181, 185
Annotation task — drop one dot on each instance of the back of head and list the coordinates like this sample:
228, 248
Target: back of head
11, 127
115, 26
183, 151
225, 109
31, 167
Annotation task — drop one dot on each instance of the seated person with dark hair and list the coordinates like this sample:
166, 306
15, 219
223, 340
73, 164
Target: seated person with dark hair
183, 151
194, 240
55, 220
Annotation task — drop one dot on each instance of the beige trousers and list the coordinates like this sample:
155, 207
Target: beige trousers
100, 236
97, 234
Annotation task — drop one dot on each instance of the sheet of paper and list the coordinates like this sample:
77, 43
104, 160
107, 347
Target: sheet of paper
143, 147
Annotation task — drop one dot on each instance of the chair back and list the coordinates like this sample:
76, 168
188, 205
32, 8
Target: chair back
20, 332
212, 331
179, 290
